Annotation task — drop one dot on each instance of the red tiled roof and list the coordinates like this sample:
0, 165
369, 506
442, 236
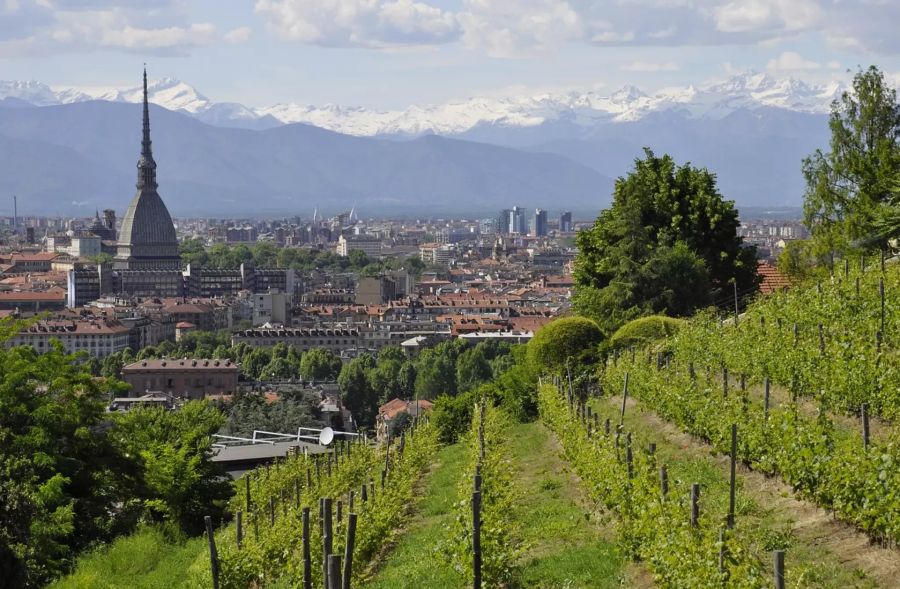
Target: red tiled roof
53, 295
394, 407
772, 279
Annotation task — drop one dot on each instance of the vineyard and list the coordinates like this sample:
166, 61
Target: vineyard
748, 452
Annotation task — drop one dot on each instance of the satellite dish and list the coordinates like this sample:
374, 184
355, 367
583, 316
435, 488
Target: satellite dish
326, 436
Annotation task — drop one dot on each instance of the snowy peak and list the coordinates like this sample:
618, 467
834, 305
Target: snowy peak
750, 90
628, 93
747, 91
30, 91
169, 93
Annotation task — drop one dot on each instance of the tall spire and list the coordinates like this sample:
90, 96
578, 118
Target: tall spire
146, 165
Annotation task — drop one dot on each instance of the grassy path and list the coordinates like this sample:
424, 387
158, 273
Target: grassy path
564, 546
412, 562
832, 554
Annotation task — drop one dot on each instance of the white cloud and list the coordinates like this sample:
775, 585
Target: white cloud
29, 27
649, 66
526, 27
790, 61
238, 35
365, 23
130, 37
767, 16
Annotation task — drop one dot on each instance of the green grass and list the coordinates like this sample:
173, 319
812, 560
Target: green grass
146, 559
564, 548
413, 562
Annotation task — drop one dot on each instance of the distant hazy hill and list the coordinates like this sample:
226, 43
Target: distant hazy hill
76, 157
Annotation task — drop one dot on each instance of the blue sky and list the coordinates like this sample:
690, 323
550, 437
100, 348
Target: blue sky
392, 53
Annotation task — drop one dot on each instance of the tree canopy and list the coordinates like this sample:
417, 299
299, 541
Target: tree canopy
72, 475
667, 244
853, 188
320, 364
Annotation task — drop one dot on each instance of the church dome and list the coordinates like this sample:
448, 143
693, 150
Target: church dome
147, 221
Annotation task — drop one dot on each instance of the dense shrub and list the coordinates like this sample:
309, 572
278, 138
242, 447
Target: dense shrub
569, 337
644, 330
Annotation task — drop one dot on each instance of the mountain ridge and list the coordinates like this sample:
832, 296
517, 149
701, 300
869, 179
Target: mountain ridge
750, 90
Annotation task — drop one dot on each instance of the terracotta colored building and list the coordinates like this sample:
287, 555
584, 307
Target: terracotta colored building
191, 379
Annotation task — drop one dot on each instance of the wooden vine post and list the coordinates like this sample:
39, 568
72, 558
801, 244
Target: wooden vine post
327, 535
307, 560
348, 550
239, 527
732, 479
779, 569
476, 540
334, 571
695, 504
213, 555
864, 415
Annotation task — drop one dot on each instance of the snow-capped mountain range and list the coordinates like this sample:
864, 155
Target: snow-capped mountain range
583, 109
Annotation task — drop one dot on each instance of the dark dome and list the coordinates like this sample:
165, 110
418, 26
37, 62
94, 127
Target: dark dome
147, 221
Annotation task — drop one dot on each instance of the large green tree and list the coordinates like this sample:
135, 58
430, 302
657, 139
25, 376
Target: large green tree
358, 395
320, 364
852, 189
667, 244
179, 482
472, 368
64, 482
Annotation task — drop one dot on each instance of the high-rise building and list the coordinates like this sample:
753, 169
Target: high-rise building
519, 221
539, 223
147, 240
565, 222
503, 223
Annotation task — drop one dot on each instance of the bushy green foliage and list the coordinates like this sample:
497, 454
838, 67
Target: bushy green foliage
642, 331
320, 364
179, 483
852, 189
356, 390
668, 244
366, 382
71, 475
451, 416
565, 339
60, 470
251, 411
797, 261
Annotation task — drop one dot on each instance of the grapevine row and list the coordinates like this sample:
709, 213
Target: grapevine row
374, 483
827, 464
835, 341
487, 457
655, 524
